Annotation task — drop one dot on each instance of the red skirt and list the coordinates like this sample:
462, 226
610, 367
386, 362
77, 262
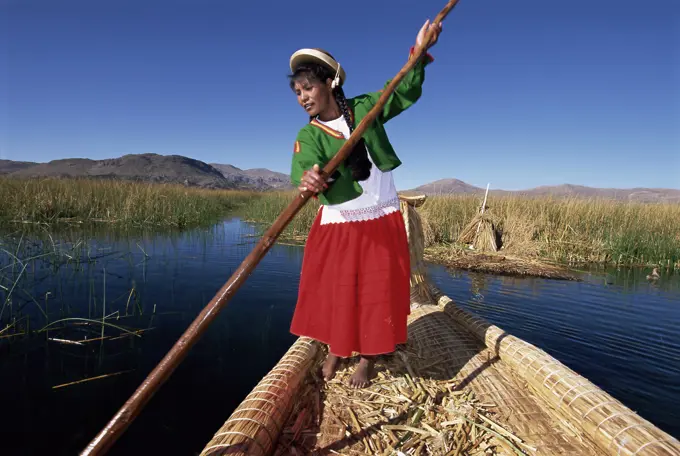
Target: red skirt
354, 291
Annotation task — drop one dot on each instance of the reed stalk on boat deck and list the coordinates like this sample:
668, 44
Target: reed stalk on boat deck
124, 417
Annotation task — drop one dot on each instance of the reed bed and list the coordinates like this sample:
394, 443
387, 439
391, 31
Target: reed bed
36, 312
48, 201
566, 230
266, 208
32, 270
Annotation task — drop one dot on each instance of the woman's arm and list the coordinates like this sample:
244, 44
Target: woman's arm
307, 162
410, 88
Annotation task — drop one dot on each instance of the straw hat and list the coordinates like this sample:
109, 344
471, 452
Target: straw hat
321, 57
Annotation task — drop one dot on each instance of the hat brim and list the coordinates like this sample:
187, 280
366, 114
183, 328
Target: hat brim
313, 56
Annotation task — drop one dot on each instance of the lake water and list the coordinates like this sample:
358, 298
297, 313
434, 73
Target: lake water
615, 328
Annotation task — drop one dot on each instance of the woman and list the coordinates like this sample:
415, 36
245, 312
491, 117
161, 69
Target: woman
354, 284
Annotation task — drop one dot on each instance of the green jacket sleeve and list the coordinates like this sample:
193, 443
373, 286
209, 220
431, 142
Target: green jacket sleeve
407, 92
306, 154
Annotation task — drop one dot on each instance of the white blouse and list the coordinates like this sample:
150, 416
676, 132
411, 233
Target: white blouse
379, 196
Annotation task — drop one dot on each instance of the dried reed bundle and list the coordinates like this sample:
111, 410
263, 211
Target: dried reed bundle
481, 233
420, 290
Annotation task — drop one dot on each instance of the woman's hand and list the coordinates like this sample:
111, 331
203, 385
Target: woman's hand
425, 29
312, 180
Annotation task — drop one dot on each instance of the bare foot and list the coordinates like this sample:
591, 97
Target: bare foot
329, 367
360, 377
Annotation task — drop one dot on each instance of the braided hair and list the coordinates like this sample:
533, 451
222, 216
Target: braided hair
357, 161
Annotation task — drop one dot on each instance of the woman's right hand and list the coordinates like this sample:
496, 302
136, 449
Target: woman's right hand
426, 28
312, 180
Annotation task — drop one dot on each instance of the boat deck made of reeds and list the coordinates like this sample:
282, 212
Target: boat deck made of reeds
442, 393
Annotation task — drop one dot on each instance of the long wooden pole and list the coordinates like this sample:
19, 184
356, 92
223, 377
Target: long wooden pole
129, 411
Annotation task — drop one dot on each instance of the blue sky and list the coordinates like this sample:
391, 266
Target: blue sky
522, 93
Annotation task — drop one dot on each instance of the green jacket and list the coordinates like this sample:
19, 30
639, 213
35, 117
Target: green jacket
317, 143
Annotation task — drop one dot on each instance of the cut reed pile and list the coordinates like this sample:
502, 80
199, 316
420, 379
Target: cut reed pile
401, 412
481, 234
496, 263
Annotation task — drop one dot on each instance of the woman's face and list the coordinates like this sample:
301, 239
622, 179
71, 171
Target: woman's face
314, 96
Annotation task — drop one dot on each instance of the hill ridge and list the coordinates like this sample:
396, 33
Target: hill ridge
151, 167
643, 194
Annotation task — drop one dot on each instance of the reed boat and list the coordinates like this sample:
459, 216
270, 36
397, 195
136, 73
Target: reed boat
459, 386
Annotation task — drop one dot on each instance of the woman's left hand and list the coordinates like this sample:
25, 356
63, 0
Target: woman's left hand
425, 29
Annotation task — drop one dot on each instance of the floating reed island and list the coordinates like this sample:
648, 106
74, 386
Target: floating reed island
459, 386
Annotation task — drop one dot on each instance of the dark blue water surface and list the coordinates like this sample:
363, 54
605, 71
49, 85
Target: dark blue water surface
179, 276
614, 328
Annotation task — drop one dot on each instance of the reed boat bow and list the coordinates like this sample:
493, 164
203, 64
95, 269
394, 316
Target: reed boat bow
460, 386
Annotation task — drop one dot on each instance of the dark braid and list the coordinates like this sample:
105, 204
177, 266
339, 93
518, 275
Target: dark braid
358, 161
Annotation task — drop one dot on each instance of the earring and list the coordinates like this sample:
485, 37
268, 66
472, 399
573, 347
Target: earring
336, 80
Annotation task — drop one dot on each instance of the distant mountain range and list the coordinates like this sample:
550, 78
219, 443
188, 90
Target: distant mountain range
455, 186
175, 169
183, 170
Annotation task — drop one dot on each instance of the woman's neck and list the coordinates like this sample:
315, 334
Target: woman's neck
332, 112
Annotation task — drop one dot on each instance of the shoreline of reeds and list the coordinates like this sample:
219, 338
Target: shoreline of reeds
50, 201
568, 231
573, 231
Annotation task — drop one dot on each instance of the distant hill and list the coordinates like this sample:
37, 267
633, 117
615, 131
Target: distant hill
256, 178
153, 168
447, 186
144, 167
631, 194
279, 181
9, 166
455, 186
